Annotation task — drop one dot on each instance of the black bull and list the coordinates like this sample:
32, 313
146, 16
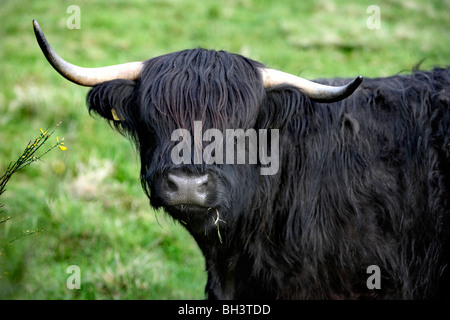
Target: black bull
361, 182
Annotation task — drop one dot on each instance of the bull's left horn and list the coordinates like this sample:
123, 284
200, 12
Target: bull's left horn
316, 91
86, 76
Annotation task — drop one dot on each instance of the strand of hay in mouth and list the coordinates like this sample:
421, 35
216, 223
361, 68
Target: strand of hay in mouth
216, 222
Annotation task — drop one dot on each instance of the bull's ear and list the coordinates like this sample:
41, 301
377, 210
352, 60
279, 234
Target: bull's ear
112, 99
280, 105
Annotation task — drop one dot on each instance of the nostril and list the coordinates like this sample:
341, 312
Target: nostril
171, 186
202, 184
177, 183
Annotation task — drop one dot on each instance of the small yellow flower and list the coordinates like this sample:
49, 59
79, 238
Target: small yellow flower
63, 148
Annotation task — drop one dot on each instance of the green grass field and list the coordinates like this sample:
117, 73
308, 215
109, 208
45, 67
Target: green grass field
88, 199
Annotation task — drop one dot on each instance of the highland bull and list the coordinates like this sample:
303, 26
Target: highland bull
363, 177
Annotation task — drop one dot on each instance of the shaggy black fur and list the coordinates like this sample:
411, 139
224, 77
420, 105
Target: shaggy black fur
364, 181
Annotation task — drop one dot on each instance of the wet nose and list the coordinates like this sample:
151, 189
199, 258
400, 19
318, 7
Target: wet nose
187, 188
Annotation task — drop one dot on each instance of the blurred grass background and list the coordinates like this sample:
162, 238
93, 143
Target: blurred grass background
88, 199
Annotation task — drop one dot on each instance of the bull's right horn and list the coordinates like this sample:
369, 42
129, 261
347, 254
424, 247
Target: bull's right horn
316, 91
86, 76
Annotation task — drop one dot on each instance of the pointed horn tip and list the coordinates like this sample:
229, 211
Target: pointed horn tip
36, 25
354, 84
346, 91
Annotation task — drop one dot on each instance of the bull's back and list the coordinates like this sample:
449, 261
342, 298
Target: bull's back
382, 156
